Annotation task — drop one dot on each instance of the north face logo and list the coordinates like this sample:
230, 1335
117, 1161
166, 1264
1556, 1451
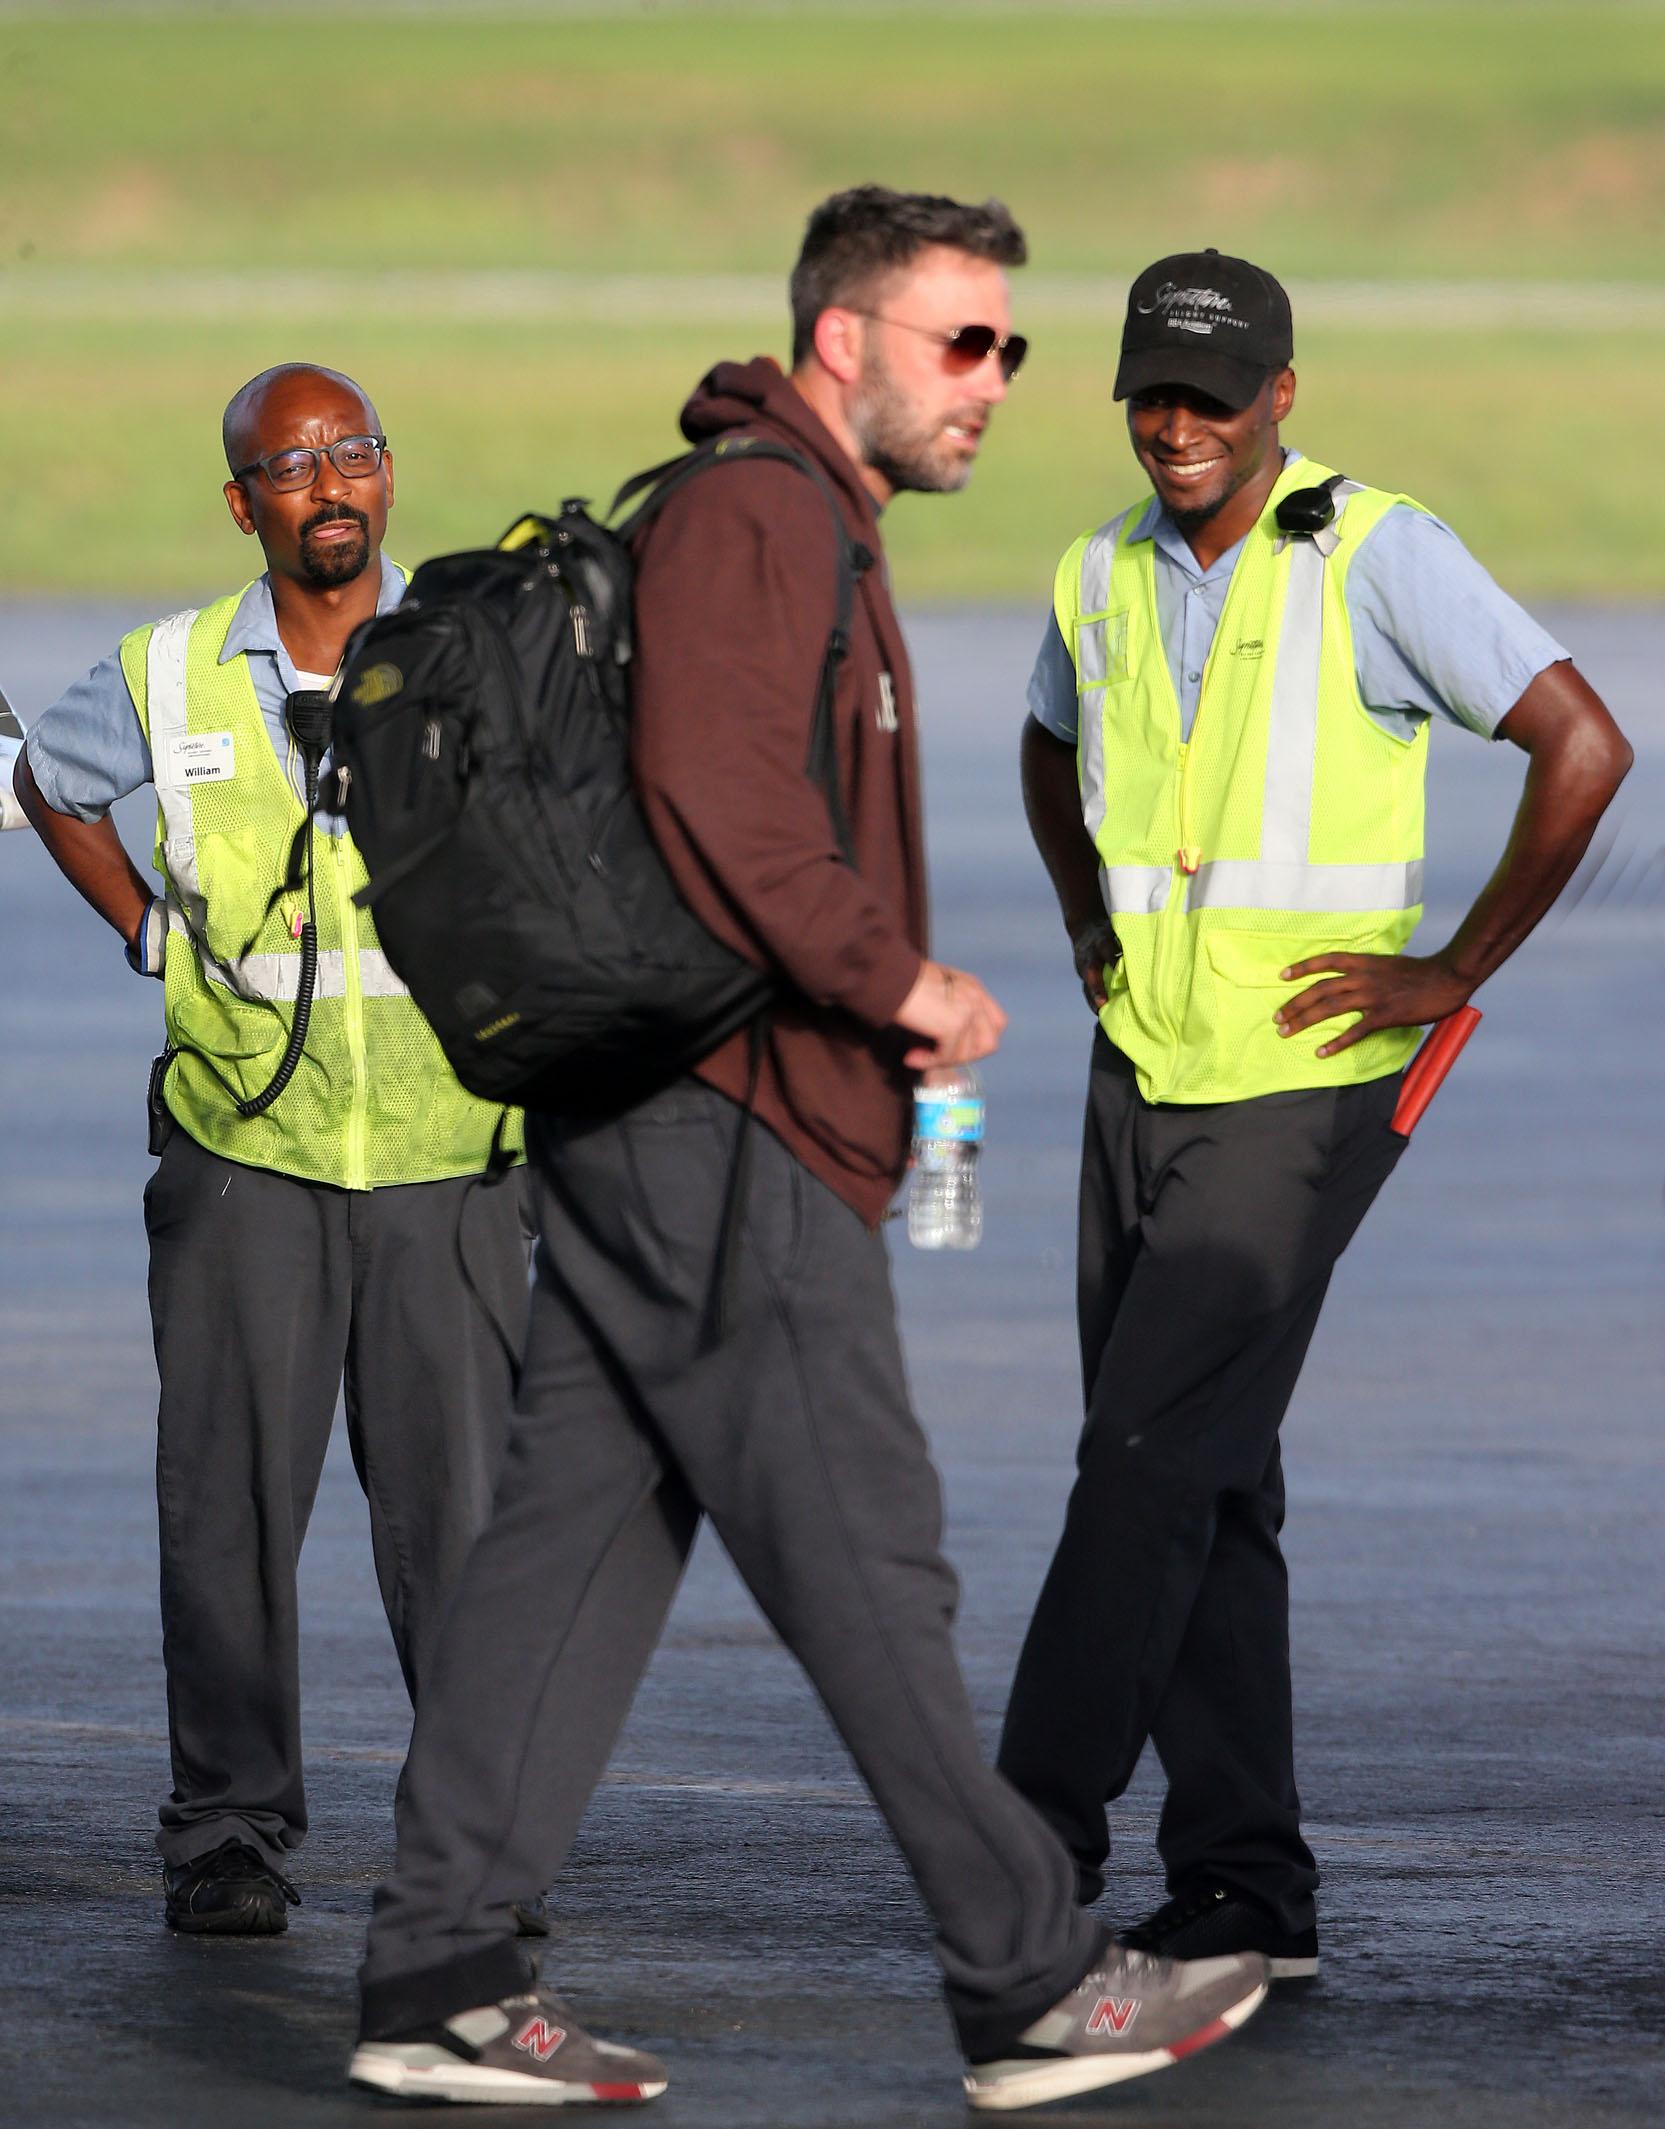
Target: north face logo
1113, 2014
378, 683
538, 2037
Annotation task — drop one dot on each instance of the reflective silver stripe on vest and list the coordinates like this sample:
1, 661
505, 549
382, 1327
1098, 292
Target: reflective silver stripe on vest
217, 971
1126, 887
1092, 651
1249, 883
278, 975
167, 718
257, 976
375, 976
1135, 890
1292, 736
276, 978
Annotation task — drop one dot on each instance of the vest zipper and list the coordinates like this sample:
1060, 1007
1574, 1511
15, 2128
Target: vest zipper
1166, 918
1188, 856
352, 1016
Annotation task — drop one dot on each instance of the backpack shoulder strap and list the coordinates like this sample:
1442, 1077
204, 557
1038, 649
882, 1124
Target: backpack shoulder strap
854, 559
821, 766
654, 477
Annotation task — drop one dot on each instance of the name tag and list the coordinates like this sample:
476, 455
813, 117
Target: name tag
201, 758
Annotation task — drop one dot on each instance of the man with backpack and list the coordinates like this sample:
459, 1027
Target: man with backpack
784, 1414
314, 1213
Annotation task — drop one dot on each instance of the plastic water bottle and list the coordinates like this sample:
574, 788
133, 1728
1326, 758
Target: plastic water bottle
945, 1198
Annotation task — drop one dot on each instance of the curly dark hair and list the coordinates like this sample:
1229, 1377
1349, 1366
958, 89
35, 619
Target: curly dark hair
860, 235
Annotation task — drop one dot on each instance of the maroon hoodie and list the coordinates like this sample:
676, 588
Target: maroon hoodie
735, 598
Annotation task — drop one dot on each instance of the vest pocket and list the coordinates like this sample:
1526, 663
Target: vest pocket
1256, 960
1101, 650
1250, 985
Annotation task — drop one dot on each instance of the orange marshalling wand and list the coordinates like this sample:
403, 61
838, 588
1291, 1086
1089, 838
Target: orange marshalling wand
1429, 1066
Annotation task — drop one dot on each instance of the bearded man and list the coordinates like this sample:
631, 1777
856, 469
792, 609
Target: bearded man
312, 1220
792, 1430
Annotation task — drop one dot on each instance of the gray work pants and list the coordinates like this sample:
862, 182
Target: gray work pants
265, 1291
1208, 1237
794, 1433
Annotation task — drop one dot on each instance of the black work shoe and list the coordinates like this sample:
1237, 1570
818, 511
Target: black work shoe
532, 1917
1211, 1919
522, 2050
234, 1892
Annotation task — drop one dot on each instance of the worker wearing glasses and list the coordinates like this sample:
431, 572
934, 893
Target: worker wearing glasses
312, 1219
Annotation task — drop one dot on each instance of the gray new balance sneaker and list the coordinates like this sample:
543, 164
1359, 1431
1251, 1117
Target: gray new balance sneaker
1132, 2014
527, 2050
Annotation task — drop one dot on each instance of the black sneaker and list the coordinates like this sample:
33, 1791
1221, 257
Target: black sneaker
532, 1917
234, 1892
1210, 1920
526, 2049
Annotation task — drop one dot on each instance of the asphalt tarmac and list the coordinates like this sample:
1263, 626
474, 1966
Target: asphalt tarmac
1477, 1487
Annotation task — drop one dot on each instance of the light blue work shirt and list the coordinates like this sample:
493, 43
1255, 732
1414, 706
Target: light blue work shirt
1433, 636
89, 748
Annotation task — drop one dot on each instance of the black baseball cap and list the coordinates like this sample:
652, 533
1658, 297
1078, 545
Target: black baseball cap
1204, 319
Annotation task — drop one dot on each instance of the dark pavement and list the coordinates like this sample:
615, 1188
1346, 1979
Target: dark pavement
1477, 1487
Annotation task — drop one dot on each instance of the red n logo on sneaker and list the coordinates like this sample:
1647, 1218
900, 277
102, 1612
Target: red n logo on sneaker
538, 2037
1113, 2014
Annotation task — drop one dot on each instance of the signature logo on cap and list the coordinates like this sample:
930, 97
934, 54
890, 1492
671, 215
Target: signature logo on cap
1190, 310
1170, 296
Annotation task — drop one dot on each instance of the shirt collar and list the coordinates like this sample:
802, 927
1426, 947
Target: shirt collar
254, 624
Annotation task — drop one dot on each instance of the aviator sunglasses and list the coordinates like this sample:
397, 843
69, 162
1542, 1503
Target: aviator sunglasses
965, 347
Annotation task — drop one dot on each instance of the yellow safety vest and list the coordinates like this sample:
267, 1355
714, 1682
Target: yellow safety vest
1289, 823
373, 1100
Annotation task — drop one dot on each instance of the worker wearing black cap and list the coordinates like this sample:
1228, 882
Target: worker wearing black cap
1223, 769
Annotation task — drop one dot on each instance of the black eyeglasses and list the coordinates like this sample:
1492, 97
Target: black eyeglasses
355, 458
966, 347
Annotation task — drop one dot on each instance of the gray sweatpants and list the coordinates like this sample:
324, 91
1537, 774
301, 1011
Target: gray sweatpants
265, 1291
796, 1436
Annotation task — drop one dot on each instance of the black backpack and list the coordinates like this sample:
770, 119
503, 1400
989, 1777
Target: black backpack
482, 747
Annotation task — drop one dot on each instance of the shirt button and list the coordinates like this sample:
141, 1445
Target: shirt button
1193, 676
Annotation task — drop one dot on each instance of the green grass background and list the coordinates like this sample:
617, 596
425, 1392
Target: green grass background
1497, 143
